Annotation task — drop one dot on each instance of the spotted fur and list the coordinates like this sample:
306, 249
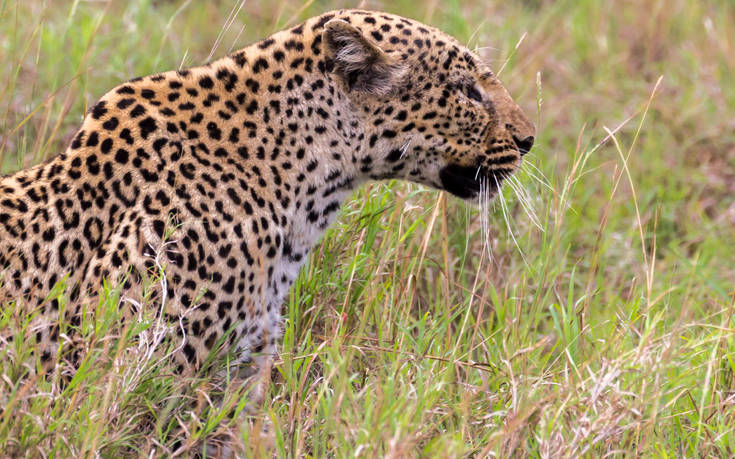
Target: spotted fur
233, 170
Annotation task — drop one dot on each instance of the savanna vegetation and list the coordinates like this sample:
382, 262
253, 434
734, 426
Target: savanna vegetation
587, 312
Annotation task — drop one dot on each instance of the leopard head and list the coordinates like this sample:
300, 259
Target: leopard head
431, 110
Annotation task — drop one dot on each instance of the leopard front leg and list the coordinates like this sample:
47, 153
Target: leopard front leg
257, 348
249, 373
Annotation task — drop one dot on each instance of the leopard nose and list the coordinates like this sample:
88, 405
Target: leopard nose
524, 145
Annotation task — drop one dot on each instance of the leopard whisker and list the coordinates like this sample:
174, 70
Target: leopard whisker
543, 180
525, 201
507, 223
485, 216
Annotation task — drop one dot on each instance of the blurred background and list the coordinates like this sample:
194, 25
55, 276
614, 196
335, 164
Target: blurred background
605, 318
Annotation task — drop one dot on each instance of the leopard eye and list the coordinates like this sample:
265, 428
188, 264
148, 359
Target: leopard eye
471, 91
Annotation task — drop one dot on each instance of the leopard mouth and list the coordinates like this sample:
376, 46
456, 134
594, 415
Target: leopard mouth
467, 182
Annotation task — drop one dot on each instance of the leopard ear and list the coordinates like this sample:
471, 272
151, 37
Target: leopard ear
361, 64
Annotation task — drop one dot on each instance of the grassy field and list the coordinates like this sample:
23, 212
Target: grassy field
588, 313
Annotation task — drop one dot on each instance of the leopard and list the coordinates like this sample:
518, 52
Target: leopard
225, 176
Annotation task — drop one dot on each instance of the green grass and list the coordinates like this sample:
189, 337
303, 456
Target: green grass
412, 332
